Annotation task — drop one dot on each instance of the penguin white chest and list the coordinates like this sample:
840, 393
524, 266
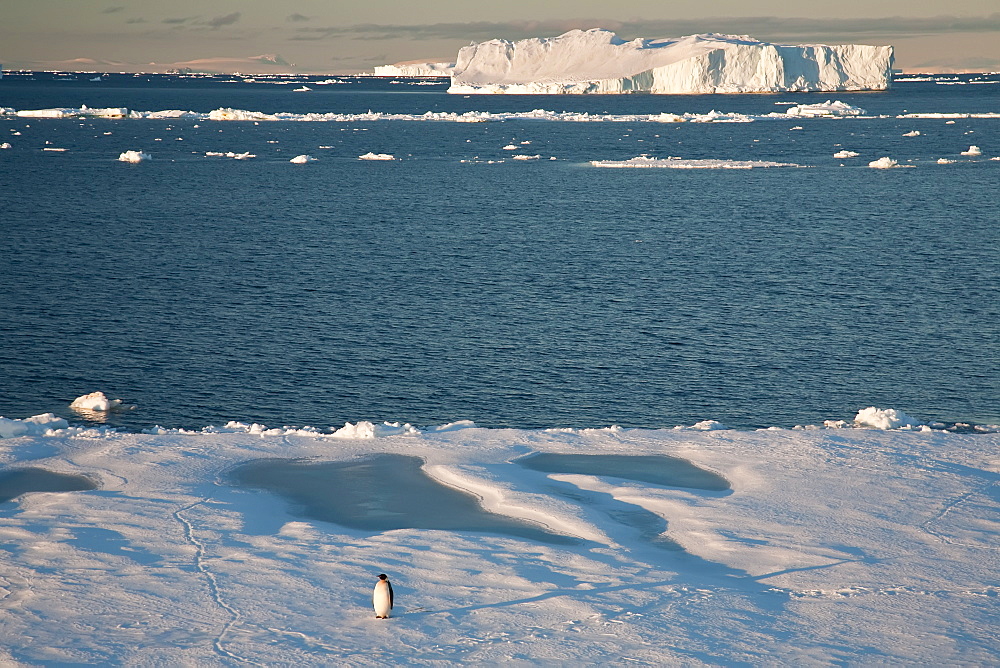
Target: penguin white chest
382, 598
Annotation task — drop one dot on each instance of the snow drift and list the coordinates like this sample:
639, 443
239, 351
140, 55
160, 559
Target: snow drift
598, 61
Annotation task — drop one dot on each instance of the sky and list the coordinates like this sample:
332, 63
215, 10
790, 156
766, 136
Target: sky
343, 37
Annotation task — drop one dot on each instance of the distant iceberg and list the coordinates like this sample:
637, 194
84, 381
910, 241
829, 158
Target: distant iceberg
598, 61
415, 69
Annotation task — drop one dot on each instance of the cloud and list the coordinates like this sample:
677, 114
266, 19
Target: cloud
113, 10
226, 20
197, 23
760, 26
297, 18
136, 20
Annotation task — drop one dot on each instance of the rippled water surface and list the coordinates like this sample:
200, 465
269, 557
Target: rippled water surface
532, 293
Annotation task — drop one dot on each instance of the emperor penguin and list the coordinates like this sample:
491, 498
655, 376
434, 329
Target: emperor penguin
382, 597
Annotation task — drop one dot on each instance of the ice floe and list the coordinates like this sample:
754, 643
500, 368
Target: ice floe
973, 150
884, 162
376, 156
230, 154
643, 161
95, 401
829, 109
302, 159
134, 156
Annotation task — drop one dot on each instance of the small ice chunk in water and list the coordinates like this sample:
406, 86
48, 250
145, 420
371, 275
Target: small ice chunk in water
912, 133
302, 159
883, 163
526, 157
846, 154
376, 156
944, 161
134, 156
973, 150
95, 401
4, 145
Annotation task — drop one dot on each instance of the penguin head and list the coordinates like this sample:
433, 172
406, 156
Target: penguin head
383, 576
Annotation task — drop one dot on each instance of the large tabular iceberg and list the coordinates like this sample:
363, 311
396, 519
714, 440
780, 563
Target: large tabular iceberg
598, 61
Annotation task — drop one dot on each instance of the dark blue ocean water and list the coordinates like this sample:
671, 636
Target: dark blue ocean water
540, 293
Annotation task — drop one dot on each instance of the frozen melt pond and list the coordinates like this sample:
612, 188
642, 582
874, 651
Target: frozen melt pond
22, 481
380, 493
656, 469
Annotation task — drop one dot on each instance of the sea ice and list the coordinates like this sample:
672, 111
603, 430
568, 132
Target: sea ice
890, 533
302, 159
36, 425
526, 157
5, 145
846, 154
134, 156
835, 109
973, 150
912, 133
79, 112
598, 61
376, 156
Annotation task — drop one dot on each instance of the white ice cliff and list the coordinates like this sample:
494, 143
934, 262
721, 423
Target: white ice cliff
598, 61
